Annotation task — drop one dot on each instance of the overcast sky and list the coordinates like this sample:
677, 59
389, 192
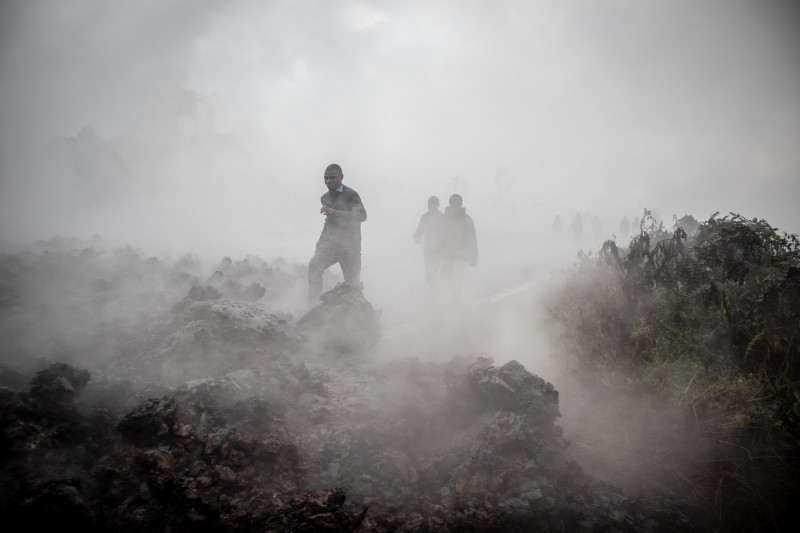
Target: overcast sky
211, 122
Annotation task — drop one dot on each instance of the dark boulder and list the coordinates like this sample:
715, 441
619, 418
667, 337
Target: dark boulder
150, 423
58, 384
344, 323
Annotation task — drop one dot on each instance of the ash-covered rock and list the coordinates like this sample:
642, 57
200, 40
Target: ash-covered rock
212, 337
250, 279
318, 510
344, 323
216, 414
399, 446
203, 292
57, 385
150, 423
79, 303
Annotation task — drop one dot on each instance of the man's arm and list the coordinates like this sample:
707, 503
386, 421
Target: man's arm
420, 230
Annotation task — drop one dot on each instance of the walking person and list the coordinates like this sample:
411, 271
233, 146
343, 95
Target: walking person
429, 230
459, 247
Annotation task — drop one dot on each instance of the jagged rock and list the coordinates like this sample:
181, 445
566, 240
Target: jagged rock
344, 323
481, 453
253, 292
200, 293
151, 423
214, 337
58, 384
12, 378
216, 278
513, 387
51, 505
318, 510
215, 416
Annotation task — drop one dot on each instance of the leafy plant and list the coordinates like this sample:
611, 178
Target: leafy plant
705, 321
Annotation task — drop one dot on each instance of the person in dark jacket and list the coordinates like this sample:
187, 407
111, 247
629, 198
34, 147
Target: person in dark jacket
430, 229
459, 246
340, 240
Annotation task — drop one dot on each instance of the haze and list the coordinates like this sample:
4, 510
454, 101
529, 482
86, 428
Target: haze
204, 127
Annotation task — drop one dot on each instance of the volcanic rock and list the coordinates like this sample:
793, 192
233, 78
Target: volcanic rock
344, 323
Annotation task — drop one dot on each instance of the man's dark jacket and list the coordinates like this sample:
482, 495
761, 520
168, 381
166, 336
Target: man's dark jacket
459, 239
343, 226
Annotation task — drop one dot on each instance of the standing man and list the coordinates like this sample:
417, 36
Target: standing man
577, 227
460, 246
430, 229
340, 240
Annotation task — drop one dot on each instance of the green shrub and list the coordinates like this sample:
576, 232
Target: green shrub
706, 321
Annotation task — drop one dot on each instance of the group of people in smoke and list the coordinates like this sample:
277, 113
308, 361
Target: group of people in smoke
450, 241
450, 244
577, 226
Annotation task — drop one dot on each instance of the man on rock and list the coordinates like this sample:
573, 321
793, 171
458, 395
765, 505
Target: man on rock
340, 240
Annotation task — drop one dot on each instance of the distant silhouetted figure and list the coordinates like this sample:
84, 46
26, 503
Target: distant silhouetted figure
558, 226
340, 240
624, 229
429, 230
459, 247
577, 227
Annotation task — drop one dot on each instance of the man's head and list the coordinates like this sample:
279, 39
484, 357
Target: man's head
455, 200
333, 176
433, 202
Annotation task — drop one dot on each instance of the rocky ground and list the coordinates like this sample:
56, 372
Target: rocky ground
212, 411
